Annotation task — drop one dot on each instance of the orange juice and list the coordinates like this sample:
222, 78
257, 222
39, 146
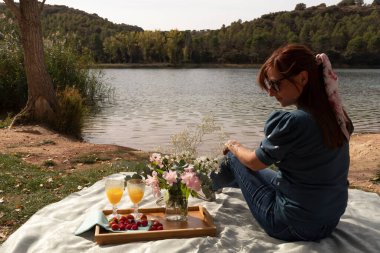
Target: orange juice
114, 194
136, 194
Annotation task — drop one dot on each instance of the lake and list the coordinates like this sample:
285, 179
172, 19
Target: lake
151, 105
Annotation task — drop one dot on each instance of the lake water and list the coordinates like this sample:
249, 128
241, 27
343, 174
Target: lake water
151, 105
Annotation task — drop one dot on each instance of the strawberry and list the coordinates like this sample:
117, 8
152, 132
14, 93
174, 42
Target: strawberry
134, 227
144, 223
130, 217
115, 226
143, 217
122, 226
129, 226
160, 228
114, 219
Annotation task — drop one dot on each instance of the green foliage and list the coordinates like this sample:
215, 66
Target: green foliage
6, 121
71, 112
335, 28
300, 7
89, 159
89, 29
67, 68
49, 163
347, 2
13, 88
324, 29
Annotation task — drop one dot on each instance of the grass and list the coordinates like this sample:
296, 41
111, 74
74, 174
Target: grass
49, 163
89, 159
24, 188
5, 121
46, 142
376, 179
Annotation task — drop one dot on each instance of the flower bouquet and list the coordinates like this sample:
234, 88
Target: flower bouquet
178, 177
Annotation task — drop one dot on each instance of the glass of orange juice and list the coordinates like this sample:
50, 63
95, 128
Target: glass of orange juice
114, 191
136, 189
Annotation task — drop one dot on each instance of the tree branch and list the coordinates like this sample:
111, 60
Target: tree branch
13, 7
42, 5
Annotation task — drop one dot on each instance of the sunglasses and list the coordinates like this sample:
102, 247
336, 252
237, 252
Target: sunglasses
273, 84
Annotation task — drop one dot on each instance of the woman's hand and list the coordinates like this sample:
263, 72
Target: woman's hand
231, 145
244, 155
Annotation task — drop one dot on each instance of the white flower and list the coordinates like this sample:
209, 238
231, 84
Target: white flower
165, 195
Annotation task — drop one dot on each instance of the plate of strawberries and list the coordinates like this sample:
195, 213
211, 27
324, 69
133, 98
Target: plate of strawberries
128, 223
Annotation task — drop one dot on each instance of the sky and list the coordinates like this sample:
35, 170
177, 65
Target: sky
184, 14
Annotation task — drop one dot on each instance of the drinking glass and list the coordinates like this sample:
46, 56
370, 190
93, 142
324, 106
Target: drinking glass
136, 189
114, 191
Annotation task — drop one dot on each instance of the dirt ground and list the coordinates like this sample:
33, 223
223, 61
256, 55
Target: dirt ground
40, 146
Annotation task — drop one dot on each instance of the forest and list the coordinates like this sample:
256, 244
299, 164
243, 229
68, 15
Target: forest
349, 33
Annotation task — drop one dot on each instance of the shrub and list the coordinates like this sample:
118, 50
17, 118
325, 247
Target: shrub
5, 121
13, 88
67, 68
71, 112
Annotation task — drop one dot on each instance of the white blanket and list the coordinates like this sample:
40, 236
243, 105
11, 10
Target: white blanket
52, 228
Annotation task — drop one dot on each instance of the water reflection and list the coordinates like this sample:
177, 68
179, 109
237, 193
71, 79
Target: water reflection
153, 104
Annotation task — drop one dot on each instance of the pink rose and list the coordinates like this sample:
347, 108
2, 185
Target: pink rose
170, 177
156, 159
191, 180
152, 181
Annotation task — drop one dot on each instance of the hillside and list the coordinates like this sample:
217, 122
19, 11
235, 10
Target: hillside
349, 34
89, 30
65, 19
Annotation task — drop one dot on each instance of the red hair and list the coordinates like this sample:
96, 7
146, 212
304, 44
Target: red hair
289, 61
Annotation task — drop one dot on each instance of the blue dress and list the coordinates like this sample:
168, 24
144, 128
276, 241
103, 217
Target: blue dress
312, 179
306, 197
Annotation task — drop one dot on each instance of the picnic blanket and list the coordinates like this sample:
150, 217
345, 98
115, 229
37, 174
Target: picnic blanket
52, 228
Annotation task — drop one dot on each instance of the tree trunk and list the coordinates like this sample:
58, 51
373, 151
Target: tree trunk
42, 101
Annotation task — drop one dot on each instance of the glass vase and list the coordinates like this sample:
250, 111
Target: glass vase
176, 207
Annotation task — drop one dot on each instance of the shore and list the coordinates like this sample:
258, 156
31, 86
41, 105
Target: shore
202, 65
39, 146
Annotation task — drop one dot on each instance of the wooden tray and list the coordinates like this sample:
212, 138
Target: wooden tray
199, 223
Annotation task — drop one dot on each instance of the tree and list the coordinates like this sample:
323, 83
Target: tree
346, 2
376, 2
300, 7
359, 2
42, 102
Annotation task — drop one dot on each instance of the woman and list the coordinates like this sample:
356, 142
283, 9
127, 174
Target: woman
305, 199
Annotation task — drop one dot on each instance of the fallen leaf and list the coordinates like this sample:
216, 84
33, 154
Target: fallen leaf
80, 187
10, 223
1, 214
1, 201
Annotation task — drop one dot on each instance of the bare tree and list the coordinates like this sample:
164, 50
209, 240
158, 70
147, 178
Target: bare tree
42, 102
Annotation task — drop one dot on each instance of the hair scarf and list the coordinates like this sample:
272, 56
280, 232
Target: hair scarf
331, 86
